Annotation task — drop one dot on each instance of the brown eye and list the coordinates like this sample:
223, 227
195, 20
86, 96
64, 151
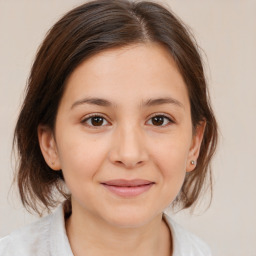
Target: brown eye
95, 121
160, 120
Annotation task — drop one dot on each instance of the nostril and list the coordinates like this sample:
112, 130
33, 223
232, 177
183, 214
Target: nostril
129, 165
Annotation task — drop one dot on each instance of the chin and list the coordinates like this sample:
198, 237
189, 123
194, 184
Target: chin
129, 218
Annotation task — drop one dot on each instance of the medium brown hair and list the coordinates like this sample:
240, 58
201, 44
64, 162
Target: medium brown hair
85, 31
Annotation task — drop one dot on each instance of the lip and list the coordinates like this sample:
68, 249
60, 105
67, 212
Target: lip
128, 188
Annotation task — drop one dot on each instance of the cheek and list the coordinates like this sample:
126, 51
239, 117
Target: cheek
172, 163
170, 156
81, 157
171, 152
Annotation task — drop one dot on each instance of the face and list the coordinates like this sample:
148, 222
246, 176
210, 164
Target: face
123, 135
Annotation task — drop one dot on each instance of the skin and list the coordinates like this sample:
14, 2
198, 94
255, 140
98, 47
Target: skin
128, 144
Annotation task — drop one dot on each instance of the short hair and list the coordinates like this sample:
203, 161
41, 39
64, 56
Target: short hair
83, 32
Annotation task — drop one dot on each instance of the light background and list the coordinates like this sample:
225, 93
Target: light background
226, 30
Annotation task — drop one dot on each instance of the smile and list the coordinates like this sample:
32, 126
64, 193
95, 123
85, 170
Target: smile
128, 188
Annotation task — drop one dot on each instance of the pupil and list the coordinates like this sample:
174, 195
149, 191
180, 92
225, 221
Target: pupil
158, 120
97, 121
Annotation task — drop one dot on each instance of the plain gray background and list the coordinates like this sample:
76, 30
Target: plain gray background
226, 30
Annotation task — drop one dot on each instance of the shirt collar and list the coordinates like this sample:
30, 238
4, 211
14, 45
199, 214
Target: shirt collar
59, 243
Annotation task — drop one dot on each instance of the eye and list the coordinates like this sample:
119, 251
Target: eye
160, 120
95, 120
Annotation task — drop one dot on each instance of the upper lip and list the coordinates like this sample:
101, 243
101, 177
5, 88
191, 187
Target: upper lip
127, 183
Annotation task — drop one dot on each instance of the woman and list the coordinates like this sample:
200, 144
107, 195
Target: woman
117, 120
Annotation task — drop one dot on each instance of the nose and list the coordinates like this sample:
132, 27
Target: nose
128, 148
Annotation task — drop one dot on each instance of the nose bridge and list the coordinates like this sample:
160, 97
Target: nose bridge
128, 147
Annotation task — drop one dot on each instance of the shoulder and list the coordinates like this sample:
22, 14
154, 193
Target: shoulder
185, 243
27, 240
44, 237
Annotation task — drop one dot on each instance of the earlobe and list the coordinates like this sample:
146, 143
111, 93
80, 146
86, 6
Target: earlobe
48, 147
195, 146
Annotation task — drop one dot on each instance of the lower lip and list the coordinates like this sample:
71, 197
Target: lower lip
128, 191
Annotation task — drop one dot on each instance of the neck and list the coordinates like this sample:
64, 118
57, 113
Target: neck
93, 236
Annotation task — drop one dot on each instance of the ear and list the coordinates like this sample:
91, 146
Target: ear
48, 147
195, 146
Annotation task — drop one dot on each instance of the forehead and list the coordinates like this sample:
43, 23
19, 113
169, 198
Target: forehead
131, 59
135, 71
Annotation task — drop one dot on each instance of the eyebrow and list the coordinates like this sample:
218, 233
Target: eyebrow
161, 101
148, 103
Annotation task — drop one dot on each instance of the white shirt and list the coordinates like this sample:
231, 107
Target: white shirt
47, 237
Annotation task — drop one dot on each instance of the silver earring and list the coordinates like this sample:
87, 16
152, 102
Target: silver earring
192, 162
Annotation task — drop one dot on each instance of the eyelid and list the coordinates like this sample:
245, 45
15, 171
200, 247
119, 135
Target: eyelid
87, 117
167, 116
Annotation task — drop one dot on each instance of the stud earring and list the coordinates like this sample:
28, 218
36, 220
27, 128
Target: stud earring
192, 162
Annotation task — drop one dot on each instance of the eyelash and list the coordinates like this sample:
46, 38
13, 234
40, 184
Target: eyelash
89, 117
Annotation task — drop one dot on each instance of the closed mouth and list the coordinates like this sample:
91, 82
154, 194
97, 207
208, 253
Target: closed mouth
127, 183
128, 188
